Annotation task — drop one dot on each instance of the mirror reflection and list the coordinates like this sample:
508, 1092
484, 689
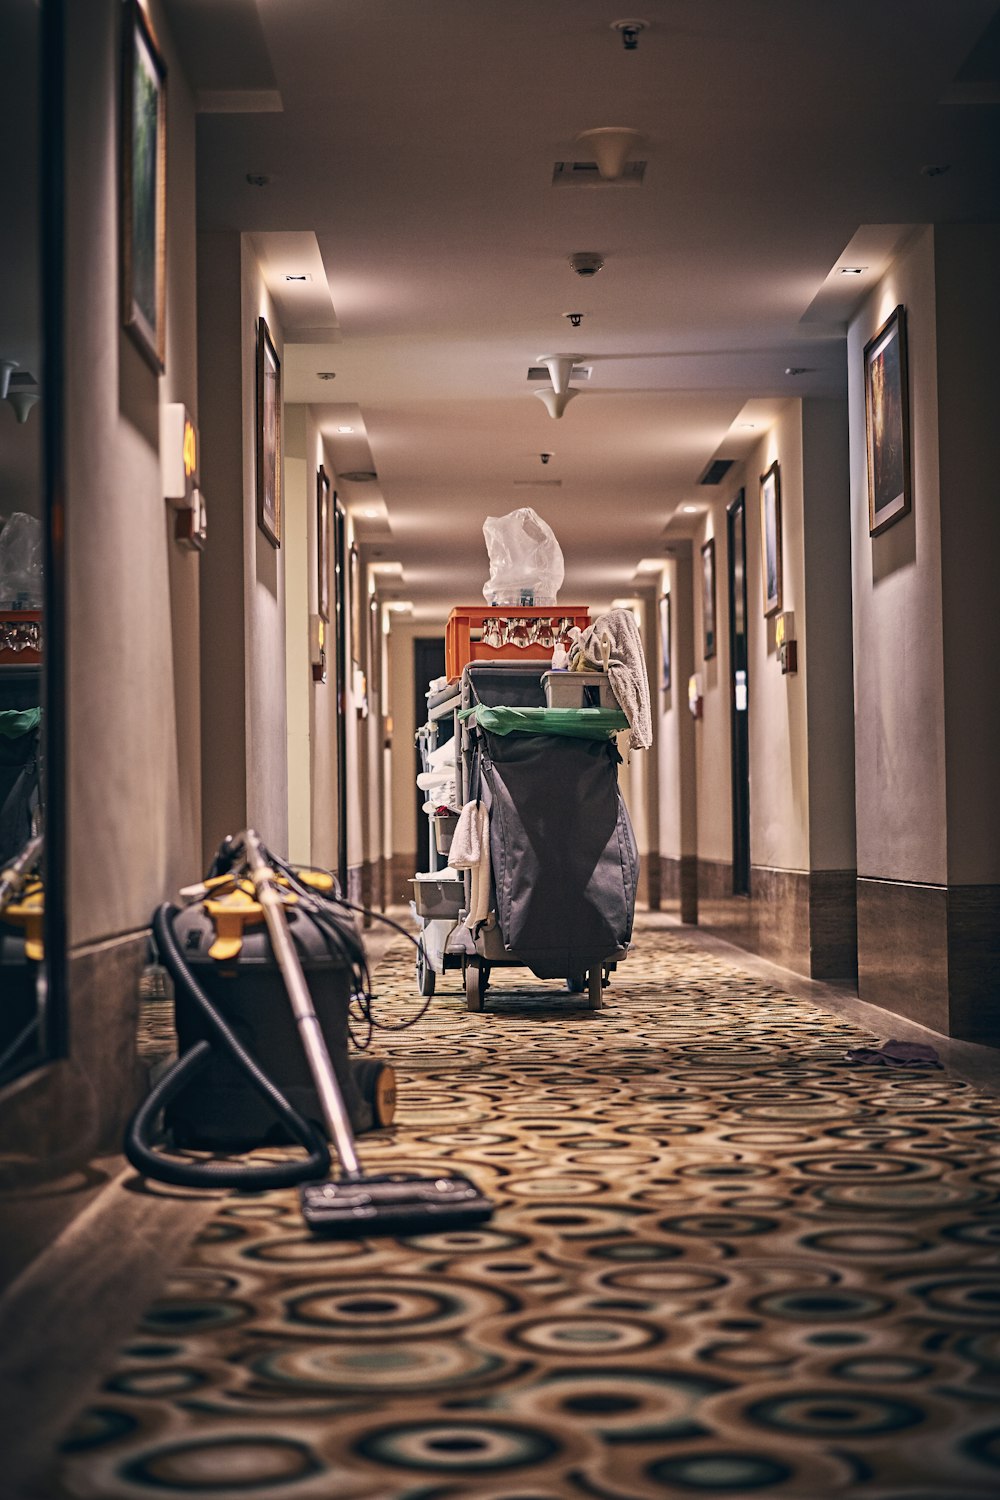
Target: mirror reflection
22, 965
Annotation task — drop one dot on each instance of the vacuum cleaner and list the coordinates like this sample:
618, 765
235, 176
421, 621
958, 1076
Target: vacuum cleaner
219, 1095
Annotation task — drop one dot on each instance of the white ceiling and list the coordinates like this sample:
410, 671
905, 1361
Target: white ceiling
413, 152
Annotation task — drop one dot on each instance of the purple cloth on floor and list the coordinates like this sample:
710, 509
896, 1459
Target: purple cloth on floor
896, 1054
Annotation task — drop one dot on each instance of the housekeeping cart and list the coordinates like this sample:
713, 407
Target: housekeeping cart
438, 892
563, 857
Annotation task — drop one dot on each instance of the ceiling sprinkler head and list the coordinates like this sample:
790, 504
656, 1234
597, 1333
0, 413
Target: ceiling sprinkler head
629, 32
575, 318
586, 262
545, 457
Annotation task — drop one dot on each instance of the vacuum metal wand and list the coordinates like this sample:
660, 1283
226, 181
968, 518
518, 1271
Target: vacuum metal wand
335, 1115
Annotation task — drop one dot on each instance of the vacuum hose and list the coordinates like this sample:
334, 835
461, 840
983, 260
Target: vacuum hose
140, 1130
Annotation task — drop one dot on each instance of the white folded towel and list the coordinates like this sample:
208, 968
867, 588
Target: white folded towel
470, 850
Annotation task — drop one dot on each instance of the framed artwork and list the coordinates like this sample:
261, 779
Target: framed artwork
355, 587
770, 539
887, 424
708, 595
268, 436
323, 543
143, 187
665, 641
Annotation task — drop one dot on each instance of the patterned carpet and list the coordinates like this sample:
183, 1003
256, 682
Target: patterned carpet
724, 1263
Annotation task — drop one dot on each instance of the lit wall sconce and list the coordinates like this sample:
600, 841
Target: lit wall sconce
784, 640
317, 647
695, 700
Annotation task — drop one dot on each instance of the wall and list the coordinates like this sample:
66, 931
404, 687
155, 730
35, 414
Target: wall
132, 598
898, 652
926, 638
264, 591
298, 544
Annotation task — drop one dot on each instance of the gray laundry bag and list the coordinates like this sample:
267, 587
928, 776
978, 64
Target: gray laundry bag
564, 857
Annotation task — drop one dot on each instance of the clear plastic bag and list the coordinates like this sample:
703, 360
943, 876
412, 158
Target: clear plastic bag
526, 561
21, 562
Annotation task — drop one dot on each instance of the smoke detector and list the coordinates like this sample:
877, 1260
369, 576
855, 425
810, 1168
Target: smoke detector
586, 262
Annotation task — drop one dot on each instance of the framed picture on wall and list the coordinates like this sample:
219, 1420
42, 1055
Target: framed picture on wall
665, 642
143, 187
708, 596
770, 539
355, 587
323, 543
268, 436
887, 424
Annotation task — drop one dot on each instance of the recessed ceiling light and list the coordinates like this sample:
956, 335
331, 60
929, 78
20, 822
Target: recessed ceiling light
690, 510
371, 514
749, 426
257, 179
299, 276
359, 476
345, 429
327, 374
852, 270
797, 369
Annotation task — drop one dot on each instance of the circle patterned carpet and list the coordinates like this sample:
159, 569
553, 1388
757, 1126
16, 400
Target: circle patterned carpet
724, 1262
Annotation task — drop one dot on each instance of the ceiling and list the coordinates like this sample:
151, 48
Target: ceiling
408, 152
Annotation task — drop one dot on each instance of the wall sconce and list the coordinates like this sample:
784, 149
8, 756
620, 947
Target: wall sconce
7, 368
317, 647
784, 640
556, 402
695, 699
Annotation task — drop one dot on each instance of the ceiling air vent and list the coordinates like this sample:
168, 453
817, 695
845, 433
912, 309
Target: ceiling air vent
717, 471
358, 476
540, 372
586, 174
548, 484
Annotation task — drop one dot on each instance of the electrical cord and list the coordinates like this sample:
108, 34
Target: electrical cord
314, 901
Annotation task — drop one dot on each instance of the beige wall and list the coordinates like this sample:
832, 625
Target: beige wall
824, 622
779, 771
676, 729
299, 549
898, 654
264, 596
712, 755
132, 628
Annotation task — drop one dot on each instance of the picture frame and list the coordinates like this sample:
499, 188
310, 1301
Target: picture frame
143, 187
268, 435
708, 597
323, 544
665, 642
355, 587
770, 539
887, 424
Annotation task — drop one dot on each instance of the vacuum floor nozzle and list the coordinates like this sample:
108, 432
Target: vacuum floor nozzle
392, 1204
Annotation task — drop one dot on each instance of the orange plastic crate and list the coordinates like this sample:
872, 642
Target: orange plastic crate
463, 640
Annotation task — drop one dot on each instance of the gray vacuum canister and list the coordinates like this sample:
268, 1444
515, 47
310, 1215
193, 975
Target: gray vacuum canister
219, 1109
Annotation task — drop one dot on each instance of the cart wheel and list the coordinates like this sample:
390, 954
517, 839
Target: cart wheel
476, 980
576, 983
595, 984
376, 1081
425, 974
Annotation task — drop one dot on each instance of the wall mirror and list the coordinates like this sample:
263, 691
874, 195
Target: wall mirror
32, 944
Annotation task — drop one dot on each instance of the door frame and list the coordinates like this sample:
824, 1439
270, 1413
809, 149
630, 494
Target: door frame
739, 692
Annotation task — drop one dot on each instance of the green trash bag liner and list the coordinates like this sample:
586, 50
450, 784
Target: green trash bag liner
15, 722
573, 723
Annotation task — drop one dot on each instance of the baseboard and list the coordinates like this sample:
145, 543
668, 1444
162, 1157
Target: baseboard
802, 920
931, 953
